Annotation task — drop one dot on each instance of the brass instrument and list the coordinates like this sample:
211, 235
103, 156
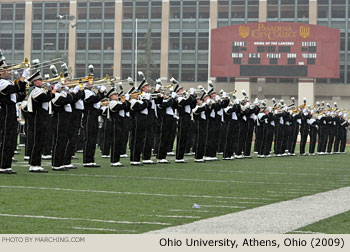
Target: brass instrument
58, 78
105, 103
34, 66
232, 92
24, 64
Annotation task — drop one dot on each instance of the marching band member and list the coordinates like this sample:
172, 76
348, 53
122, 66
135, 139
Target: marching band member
213, 131
106, 130
270, 131
37, 101
279, 114
304, 130
341, 138
91, 113
8, 100
295, 119
184, 109
61, 107
126, 128
200, 117
150, 125
259, 127
332, 131
73, 125
167, 120
116, 113
252, 117
313, 133
230, 130
242, 112
139, 111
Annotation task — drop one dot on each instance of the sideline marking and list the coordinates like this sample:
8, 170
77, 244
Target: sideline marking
82, 219
276, 218
103, 229
129, 193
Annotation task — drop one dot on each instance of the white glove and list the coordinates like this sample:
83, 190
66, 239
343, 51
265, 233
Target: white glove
147, 96
127, 97
191, 91
98, 87
158, 86
84, 85
275, 112
224, 95
217, 98
26, 73
103, 88
237, 101
173, 95
76, 89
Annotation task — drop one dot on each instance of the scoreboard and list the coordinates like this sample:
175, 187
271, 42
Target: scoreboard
275, 49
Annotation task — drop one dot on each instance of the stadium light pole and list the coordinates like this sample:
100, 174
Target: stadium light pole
67, 21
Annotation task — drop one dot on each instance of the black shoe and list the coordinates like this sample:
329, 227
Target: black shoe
39, 171
72, 167
61, 169
136, 164
74, 158
8, 172
92, 165
14, 160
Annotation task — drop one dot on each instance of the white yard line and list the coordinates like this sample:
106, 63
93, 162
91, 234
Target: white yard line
103, 229
239, 202
286, 192
189, 210
277, 218
82, 219
221, 206
171, 216
129, 193
202, 180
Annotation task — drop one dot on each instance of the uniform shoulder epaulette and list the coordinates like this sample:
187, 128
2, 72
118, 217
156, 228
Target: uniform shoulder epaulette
36, 92
113, 104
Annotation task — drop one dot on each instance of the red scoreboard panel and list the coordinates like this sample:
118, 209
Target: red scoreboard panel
274, 49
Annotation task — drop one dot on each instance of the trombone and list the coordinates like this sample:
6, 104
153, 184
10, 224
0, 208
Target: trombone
24, 64
58, 78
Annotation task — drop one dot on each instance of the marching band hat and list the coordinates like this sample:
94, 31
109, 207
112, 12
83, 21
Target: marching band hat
3, 63
211, 91
204, 95
35, 76
143, 84
132, 89
177, 88
112, 92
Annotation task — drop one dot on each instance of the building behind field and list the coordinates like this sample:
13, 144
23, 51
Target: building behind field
103, 33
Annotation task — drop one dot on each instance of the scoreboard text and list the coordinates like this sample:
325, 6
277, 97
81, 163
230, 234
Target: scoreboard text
275, 50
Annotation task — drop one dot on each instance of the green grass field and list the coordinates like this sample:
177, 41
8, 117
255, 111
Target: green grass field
339, 224
140, 199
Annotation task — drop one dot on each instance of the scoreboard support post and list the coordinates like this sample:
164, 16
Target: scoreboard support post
242, 84
306, 88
